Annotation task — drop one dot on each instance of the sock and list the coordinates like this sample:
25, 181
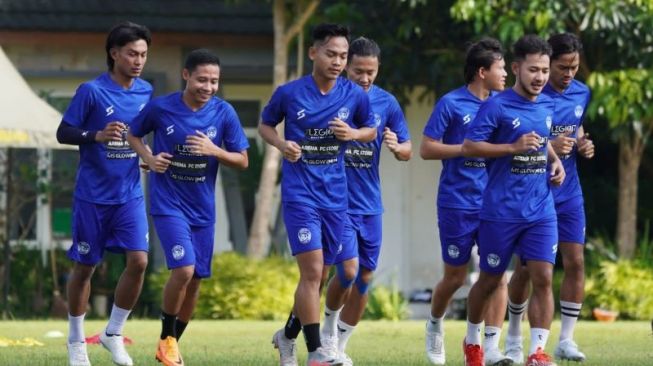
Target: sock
117, 320
76, 328
293, 327
473, 333
435, 324
312, 336
180, 327
515, 312
569, 312
167, 325
491, 337
539, 337
344, 332
330, 320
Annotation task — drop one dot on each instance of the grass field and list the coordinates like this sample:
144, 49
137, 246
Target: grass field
374, 343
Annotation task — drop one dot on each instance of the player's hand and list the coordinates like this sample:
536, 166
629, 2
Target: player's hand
557, 173
200, 144
144, 167
563, 144
527, 142
291, 151
586, 146
390, 140
159, 163
113, 131
342, 130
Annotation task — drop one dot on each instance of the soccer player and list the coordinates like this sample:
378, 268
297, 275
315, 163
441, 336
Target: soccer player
108, 207
460, 194
517, 214
322, 112
568, 139
364, 229
194, 132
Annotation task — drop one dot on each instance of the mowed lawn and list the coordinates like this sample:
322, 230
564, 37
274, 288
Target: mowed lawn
374, 343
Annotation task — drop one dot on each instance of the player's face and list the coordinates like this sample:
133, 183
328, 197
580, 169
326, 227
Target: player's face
329, 58
495, 76
130, 59
532, 74
202, 83
563, 70
363, 70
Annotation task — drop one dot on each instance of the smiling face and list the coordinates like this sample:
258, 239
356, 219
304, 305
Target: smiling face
363, 70
129, 59
494, 78
201, 84
329, 57
531, 74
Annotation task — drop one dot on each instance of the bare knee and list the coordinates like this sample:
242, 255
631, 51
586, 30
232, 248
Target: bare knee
136, 262
182, 275
455, 276
83, 272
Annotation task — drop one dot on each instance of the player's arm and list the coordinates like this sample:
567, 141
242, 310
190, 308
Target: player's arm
563, 144
290, 149
585, 145
557, 169
402, 151
432, 149
71, 135
344, 132
483, 149
157, 163
201, 144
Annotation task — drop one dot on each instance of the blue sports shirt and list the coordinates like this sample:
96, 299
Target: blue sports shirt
362, 158
518, 185
187, 188
108, 172
318, 178
569, 112
462, 179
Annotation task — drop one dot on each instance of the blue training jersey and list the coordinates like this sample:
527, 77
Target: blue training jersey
462, 179
318, 178
569, 112
518, 185
362, 158
108, 172
187, 188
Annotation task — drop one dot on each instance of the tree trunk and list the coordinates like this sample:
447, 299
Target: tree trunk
258, 244
630, 155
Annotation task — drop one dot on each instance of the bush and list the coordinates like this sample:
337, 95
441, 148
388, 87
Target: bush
386, 303
243, 288
622, 286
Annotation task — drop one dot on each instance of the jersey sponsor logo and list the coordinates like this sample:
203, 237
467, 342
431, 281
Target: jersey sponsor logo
314, 133
561, 129
554, 248
377, 120
304, 235
301, 114
453, 251
170, 130
578, 111
147, 237
83, 247
475, 163
109, 110
493, 260
549, 121
467, 119
85, 133
178, 252
515, 123
343, 113
140, 107
212, 132
339, 249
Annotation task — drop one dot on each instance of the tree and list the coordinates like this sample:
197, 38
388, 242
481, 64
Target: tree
618, 44
259, 238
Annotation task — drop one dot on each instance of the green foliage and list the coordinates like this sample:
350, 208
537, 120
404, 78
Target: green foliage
386, 303
622, 286
242, 288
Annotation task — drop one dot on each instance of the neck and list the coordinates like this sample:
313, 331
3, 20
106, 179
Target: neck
323, 84
478, 90
190, 102
120, 79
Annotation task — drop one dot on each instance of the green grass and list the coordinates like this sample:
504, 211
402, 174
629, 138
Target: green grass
374, 343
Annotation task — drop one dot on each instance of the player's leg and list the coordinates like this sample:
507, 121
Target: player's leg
187, 306
571, 234
518, 293
494, 316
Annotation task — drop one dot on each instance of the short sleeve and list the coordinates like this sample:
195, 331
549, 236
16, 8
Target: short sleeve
438, 121
81, 106
274, 112
485, 123
235, 139
363, 116
144, 122
397, 122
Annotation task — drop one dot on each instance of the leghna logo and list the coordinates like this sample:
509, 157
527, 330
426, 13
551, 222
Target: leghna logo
212, 132
453, 251
304, 235
178, 252
377, 119
83, 247
343, 113
578, 111
549, 122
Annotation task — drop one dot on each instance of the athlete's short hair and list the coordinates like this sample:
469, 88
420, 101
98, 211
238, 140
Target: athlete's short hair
530, 44
124, 33
363, 47
198, 57
481, 54
564, 43
323, 32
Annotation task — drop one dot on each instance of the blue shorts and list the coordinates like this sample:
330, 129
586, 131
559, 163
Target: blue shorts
458, 234
571, 221
116, 228
185, 244
362, 236
312, 229
497, 241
